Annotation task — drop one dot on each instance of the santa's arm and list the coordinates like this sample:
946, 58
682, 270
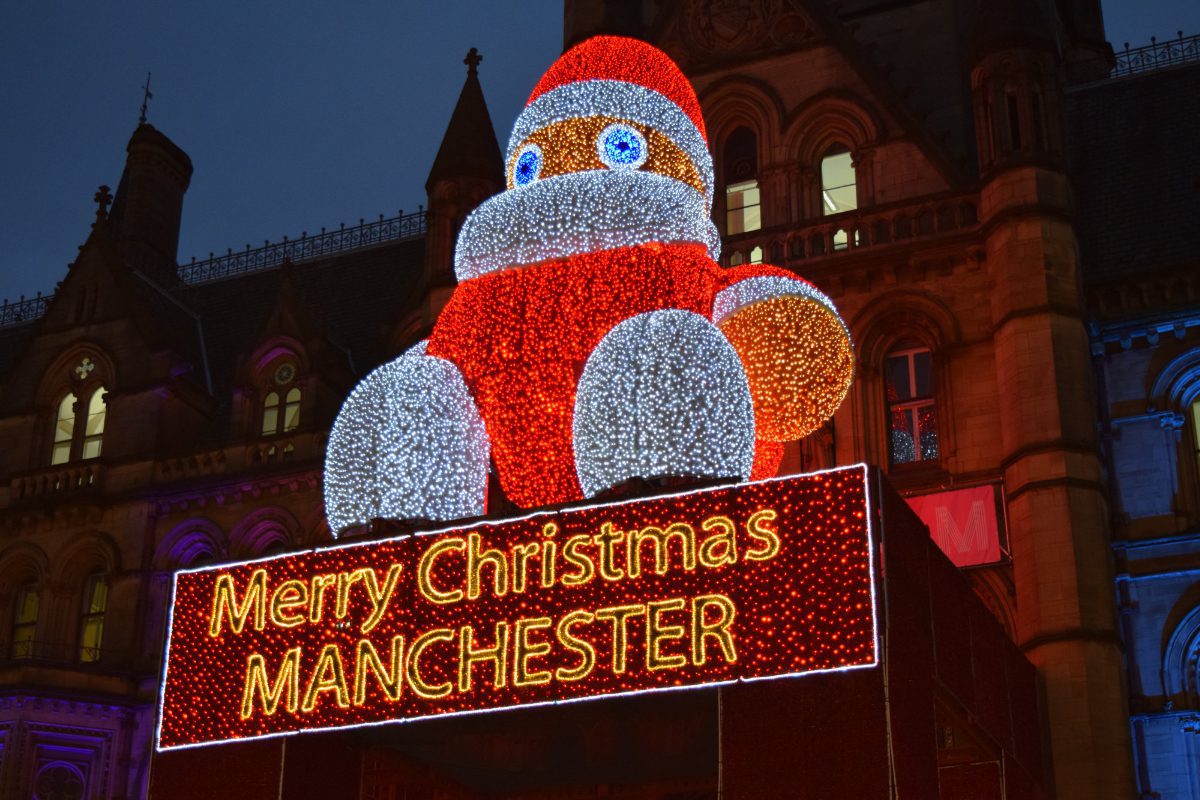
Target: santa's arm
408, 443
795, 348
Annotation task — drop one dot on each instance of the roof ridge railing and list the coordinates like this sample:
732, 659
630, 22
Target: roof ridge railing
306, 248
271, 255
1156, 55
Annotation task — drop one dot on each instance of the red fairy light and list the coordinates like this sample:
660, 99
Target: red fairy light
761, 580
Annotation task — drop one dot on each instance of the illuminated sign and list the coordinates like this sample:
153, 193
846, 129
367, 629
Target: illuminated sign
965, 523
759, 580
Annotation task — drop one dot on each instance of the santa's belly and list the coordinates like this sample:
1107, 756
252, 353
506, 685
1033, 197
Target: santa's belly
521, 338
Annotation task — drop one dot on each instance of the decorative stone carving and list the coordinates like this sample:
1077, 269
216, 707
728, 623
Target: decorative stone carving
712, 29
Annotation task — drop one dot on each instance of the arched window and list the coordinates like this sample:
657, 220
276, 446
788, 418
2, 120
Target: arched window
291, 410
281, 404
25, 617
1194, 420
64, 430
911, 408
91, 619
270, 415
839, 185
743, 211
93, 435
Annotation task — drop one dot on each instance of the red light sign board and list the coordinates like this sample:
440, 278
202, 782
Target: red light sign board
760, 580
963, 522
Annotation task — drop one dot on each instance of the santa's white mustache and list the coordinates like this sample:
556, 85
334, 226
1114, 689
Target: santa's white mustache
581, 212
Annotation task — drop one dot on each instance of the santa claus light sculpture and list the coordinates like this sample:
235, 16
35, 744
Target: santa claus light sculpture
593, 337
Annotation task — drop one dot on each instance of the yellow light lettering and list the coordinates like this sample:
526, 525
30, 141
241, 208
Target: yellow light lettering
581, 561
287, 596
606, 541
721, 547
657, 633
225, 603
617, 616
317, 595
718, 629
327, 676
587, 653
549, 553
477, 560
469, 655
287, 684
425, 572
380, 597
389, 680
413, 670
762, 535
521, 554
526, 651
662, 539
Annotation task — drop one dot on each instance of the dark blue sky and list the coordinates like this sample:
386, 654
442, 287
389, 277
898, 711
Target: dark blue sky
296, 114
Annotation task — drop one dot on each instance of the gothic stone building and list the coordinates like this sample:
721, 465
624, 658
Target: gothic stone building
999, 207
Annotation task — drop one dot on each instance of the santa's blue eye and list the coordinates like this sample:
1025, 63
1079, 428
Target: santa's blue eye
622, 146
528, 166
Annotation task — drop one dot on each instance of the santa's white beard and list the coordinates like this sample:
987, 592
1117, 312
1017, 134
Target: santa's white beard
581, 212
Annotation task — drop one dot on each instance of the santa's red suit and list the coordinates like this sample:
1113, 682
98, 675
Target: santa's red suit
593, 337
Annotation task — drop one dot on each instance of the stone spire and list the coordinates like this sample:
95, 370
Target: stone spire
148, 207
467, 170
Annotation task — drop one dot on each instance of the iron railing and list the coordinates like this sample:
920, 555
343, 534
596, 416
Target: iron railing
306, 248
38, 651
269, 256
1156, 55
24, 310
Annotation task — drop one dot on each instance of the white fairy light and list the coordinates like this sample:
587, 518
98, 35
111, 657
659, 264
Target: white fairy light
407, 443
581, 212
621, 100
663, 393
767, 287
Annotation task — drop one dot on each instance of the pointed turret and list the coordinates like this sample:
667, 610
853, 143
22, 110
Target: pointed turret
148, 208
467, 170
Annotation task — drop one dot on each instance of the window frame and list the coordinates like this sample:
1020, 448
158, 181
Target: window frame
740, 170
89, 421
92, 653
915, 404
18, 623
836, 150
281, 407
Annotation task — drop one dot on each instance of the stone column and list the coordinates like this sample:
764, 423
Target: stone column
1057, 509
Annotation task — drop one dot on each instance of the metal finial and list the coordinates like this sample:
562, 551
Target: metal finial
472, 61
146, 98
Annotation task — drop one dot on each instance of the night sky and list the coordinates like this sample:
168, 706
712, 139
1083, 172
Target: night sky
296, 114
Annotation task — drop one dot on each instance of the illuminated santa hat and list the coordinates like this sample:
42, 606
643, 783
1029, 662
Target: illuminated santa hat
623, 79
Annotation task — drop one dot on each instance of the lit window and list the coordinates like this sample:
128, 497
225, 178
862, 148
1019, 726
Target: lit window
839, 188
25, 621
743, 211
291, 410
91, 621
281, 404
1194, 413
912, 413
93, 435
270, 418
64, 431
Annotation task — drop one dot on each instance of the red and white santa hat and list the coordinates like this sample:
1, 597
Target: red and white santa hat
624, 78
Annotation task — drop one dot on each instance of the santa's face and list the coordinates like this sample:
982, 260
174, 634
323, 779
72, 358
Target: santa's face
581, 182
